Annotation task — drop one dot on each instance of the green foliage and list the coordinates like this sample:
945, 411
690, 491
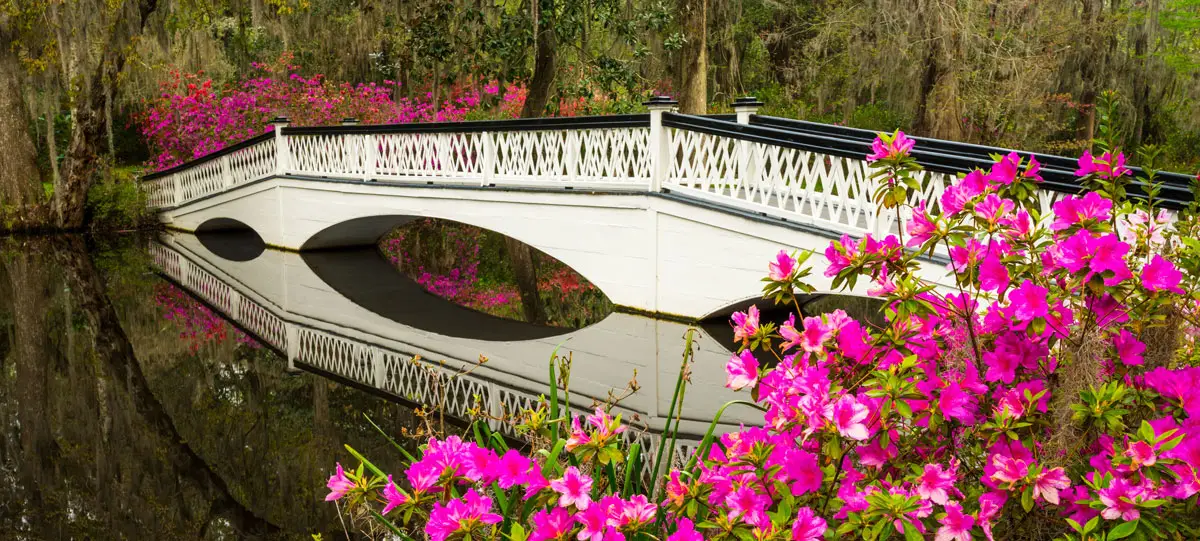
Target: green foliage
116, 202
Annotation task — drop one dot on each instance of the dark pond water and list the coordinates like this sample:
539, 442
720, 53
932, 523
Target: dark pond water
182, 387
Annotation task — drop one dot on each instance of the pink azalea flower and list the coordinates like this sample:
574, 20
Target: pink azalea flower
1106, 165
993, 275
812, 339
466, 514
748, 505
1005, 170
848, 415
936, 483
1160, 274
745, 324
956, 525
955, 403
423, 477
1048, 483
955, 198
1071, 210
338, 485
841, 254
1008, 470
804, 471
1141, 453
393, 496
900, 145
594, 522
1129, 348
685, 531
741, 371
578, 436
783, 268
920, 227
574, 488
1028, 301
993, 209
636, 512
808, 526
676, 489
1120, 499
511, 469
553, 524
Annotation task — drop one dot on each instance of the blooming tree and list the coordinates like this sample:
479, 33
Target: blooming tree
1025, 399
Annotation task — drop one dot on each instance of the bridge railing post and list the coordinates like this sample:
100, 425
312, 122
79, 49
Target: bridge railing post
660, 143
282, 163
353, 149
489, 159
747, 166
177, 188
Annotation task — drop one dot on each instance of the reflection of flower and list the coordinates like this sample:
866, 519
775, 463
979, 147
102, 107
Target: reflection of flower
199, 324
568, 295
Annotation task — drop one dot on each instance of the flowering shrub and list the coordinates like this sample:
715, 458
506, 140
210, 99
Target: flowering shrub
191, 117
1023, 400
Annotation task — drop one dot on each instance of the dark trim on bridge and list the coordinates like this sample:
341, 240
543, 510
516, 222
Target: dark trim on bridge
933, 154
214, 155
476, 126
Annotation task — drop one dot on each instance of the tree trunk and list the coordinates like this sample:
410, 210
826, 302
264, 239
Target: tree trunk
80, 164
543, 66
18, 170
521, 257
693, 57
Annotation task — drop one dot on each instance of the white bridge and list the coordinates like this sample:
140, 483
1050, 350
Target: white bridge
667, 214
403, 343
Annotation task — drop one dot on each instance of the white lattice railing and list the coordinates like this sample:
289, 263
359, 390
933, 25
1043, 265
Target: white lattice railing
805, 175
393, 372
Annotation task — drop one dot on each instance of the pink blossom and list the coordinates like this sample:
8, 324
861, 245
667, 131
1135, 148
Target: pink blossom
1106, 166
511, 469
1120, 500
841, 254
956, 403
338, 485
920, 227
993, 275
393, 496
741, 371
936, 482
574, 488
635, 512
747, 504
1070, 211
1160, 274
808, 526
956, 526
553, 524
890, 147
594, 523
783, 268
685, 531
1028, 301
577, 437
745, 324
1129, 348
1048, 483
812, 339
848, 415
955, 198
1008, 470
993, 209
1141, 453
467, 514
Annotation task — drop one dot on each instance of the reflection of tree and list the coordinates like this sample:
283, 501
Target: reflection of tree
495, 274
95, 443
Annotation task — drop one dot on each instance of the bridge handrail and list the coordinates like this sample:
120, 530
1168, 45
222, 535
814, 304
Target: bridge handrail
934, 154
240, 145
478, 126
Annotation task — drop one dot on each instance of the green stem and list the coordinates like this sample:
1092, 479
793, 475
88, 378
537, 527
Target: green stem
705, 443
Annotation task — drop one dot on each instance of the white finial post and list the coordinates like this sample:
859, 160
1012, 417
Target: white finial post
282, 162
747, 170
744, 107
660, 144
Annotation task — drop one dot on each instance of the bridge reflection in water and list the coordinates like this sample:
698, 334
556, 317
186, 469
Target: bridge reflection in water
352, 316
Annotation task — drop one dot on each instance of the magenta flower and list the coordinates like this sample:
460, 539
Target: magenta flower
339, 484
423, 476
577, 436
1129, 348
745, 324
1160, 274
511, 469
1008, 470
890, 147
747, 504
1028, 301
920, 227
1141, 454
741, 371
553, 524
841, 254
993, 275
393, 496
955, 198
685, 531
783, 268
936, 482
1070, 210
815, 333
993, 209
593, 522
1120, 499
956, 525
1106, 165
468, 514
956, 403
848, 415
1048, 483
808, 526
574, 488
635, 513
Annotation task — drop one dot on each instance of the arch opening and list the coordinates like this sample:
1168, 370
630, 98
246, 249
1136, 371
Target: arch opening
230, 239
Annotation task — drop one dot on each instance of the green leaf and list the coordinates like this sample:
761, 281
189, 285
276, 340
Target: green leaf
1123, 530
402, 450
368, 463
1027, 499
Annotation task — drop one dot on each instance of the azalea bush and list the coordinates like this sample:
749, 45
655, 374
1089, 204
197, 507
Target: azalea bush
192, 116
1030, 395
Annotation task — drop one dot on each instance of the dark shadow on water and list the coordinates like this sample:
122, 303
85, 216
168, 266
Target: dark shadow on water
864, 309
368, 280
230, 239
